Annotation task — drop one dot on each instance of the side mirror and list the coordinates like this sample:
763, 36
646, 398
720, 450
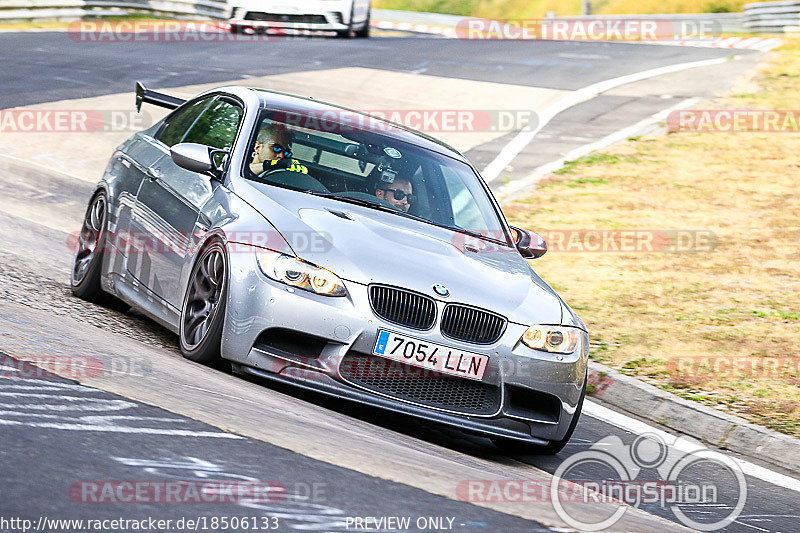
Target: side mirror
530, 245
195, 157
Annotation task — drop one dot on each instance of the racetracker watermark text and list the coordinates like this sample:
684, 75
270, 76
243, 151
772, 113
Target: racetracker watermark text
159, 31
735, 120
427, 120
731, 367
72, 366
606, 241
176, 492
72, 120
589, 29
157, 242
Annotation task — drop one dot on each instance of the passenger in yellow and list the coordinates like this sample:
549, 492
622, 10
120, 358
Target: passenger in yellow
273, 151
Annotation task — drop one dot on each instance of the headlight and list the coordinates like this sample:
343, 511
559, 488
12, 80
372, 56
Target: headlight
556, 339
298, 273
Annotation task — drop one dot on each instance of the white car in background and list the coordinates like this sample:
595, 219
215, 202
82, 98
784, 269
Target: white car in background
345, 17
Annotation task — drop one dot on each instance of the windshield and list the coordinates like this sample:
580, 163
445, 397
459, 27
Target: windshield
339, 161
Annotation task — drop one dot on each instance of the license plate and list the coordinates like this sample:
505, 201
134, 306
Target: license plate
431, 356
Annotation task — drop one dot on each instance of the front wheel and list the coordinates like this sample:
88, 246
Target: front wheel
551, 448
203, 312
363, 33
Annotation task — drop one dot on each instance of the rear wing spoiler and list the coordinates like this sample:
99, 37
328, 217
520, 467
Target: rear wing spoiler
151, 97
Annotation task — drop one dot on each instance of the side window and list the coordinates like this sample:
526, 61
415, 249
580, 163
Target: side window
216, 127
177, 126
466, 213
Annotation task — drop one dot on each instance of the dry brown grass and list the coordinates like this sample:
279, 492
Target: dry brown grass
738, 303
65, 24
34, 25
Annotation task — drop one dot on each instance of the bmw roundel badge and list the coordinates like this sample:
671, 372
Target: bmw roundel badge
441, 290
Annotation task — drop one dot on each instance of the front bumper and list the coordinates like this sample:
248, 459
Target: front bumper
536, 393
320, 21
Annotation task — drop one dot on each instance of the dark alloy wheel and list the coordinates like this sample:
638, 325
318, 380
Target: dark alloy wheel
85, 278
363, 33
204, 306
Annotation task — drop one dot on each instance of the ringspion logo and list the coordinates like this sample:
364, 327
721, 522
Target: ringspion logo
703, 488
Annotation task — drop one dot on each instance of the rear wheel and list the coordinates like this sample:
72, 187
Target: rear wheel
553, 447
203, 310
86, 269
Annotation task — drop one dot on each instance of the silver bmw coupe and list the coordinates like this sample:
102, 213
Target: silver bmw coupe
315, 245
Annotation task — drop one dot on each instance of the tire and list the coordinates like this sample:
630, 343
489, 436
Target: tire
553, 447
87, 266
203, 311
363, 33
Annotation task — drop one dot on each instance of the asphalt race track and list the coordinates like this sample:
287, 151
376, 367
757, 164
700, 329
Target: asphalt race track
148, 415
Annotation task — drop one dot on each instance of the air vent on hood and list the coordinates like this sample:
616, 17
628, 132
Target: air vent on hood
339, 214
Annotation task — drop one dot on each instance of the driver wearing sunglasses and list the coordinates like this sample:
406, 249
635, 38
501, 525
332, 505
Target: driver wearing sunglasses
398, 193
273, 143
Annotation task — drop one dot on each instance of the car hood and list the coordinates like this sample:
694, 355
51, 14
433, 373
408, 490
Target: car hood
364, 245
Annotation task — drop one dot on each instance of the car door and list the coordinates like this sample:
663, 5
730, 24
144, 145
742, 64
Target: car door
169, 213
124, 175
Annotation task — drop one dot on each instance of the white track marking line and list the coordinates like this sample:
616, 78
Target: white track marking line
639, 428
750, 526
53, 396
747, 43
768, 45
524, 137
725, 43
509, 192
121, 429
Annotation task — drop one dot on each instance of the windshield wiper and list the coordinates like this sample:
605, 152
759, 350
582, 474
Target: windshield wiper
475, 234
